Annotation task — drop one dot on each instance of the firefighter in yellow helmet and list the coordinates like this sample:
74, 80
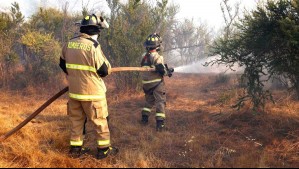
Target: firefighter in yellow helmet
153, 82
85, 65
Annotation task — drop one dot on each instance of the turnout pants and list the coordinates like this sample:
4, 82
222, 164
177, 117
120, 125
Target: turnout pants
97, 112
155, 95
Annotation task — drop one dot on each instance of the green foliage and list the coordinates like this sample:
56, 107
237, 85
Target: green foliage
33, 46
5, 22
53, 21
130, 25
265, 43
35, 40
42, 55
16, 14
48, 20
10, 29
11, 20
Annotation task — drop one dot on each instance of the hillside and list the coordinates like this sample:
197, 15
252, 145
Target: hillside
202, 130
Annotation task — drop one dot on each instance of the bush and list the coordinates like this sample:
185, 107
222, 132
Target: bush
42, 56
222, 78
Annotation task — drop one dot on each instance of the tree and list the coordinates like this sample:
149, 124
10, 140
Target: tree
41, 40
266, 44
54, 21
42, 53
10, 28
189, 41
130, 24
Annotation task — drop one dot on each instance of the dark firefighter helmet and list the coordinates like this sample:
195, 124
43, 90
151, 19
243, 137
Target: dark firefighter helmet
91, 24
153, 41
93, 20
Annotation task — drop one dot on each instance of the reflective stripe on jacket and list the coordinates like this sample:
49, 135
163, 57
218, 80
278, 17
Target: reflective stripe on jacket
150, 60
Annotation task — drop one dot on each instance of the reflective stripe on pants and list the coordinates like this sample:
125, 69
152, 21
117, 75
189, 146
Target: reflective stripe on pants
146, 111
157, 99
103, 143
76, 143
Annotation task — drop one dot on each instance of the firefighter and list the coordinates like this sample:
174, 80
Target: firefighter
153, 82
85, 65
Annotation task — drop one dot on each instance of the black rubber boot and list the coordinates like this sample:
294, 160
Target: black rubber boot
77, 151
105, 152
144, 119
160, 125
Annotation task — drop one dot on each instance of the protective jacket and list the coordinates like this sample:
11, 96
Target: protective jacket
151, 59
84, 59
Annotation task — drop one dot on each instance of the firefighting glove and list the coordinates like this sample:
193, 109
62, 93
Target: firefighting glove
169, 70
160, 68
103, 71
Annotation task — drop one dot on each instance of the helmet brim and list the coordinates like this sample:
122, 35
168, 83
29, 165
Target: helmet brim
150, 46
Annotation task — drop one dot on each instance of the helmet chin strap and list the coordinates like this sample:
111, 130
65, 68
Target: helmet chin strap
95, 37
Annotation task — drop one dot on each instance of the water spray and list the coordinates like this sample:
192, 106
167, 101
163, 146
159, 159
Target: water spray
199, 67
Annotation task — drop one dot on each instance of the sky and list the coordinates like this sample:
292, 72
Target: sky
202, 11
208, 11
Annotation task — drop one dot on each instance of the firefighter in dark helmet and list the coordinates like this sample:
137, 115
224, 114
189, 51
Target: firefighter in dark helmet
153, 82
85, 65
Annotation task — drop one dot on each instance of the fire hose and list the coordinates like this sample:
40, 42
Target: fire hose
63, 91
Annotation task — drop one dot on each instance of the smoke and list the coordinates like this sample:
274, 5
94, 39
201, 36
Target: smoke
27, 7
3, 10
198, 67
30, 7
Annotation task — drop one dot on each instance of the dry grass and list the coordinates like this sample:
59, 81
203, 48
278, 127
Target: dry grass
202, 130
